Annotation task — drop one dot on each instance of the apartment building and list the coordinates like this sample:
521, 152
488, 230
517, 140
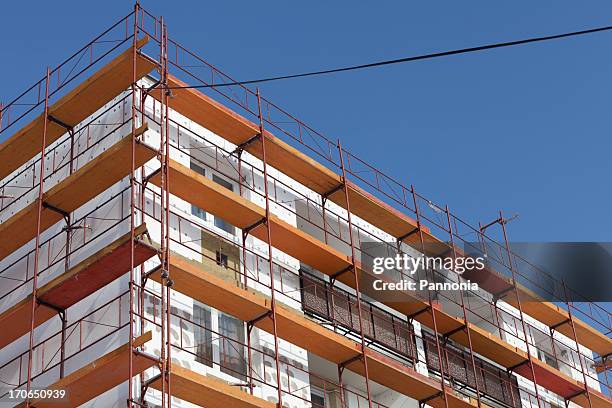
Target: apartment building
162, 245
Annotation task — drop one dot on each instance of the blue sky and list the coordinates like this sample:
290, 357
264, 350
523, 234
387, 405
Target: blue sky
525, 129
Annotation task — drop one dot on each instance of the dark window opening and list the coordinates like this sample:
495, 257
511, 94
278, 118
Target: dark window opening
221, 259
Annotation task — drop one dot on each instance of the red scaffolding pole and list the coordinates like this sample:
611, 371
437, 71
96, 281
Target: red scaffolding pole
353, 268
502, 222
463, 308
266, 221
431, 307
130, 399
37, 243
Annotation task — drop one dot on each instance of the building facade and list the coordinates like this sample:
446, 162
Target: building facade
204, 248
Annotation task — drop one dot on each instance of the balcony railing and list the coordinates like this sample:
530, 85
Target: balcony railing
340, 308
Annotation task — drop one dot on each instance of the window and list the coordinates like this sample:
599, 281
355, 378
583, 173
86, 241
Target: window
548, 358
219, 222
152, 305
202, 334
200, 213
218, 338
232, 352
221, 259
565, 362
317, 397
195, 210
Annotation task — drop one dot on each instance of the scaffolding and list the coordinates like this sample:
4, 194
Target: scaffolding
136, 69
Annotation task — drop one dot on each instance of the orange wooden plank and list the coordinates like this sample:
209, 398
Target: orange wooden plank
15, 321
298, 166
216, 116
456, 401
588, 336
96, 271
74, 107
377, 212
77, 283
491, 346
97, 377
603, 365
74, 191
191, 186
209, 392
557, 382
562, 384
396, 376
553, 315
598, 400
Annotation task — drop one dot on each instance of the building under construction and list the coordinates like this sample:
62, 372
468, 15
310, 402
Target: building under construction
162, 245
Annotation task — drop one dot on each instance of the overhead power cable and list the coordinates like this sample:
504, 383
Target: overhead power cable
405, 59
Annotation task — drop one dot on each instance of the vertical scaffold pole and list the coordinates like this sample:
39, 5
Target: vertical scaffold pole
355, 274
164, 218
571, 322
166, 193
245, 279
463, 308
63, 313
502, 222
485, 252
37, 243
143, 277
431, 306
270, 260
132, 209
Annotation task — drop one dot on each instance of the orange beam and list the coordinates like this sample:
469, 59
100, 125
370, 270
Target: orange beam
70, 287
218, 118
72, 192
74, 107
604, 365
97, 377
558, 383
209, 392
598, 400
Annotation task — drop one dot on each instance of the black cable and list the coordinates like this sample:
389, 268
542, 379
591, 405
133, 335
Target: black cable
407, 59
